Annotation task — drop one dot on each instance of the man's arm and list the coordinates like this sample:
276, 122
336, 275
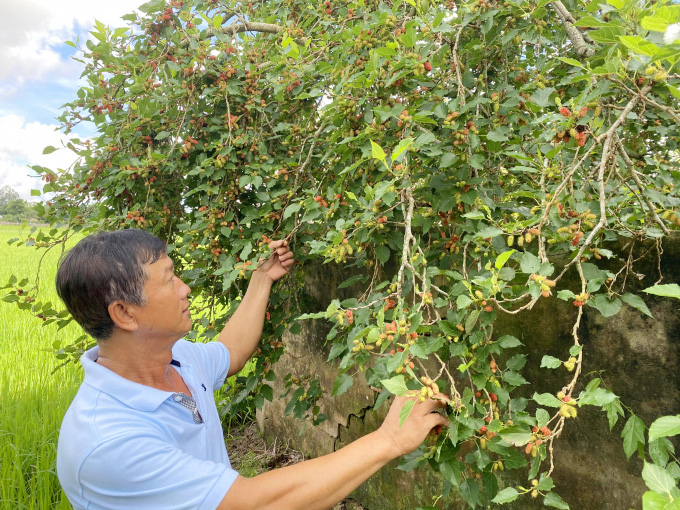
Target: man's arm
243, 331
321, 483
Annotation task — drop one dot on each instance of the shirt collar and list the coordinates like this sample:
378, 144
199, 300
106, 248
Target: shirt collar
132, 394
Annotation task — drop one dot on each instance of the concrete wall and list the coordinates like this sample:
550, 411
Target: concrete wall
636, 356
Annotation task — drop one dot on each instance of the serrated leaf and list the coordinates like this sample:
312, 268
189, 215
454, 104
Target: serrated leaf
607, 307
342, 383
542, 417
290, 210
471, 321
507, 495
664, 427
49, 149
462, 302
162, 135
403, 145
405, 411
396, 385
570, 61
554, 500
508, 342
657, 479
669, 290
547, 399
529, 263
639, 45
516, 435
503, 258
633, 434
636, 302
653, 501
377, 152
550, 362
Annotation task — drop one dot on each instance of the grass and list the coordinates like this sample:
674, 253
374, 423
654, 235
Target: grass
33, 400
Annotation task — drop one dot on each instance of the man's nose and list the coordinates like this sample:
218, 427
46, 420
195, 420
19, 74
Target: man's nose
185, 290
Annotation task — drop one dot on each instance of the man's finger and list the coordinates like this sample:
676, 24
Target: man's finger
277, 244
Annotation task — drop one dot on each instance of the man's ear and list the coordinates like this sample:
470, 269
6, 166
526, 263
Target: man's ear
122, 314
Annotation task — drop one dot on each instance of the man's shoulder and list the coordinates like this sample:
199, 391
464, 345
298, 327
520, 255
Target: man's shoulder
185, 350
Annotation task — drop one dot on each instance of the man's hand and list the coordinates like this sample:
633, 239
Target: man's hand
279, 262
420, 422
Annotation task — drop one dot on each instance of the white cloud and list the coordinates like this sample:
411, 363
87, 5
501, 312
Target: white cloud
22, 144
32, 33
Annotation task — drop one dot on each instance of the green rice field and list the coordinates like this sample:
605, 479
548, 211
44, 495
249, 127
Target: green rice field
33, 400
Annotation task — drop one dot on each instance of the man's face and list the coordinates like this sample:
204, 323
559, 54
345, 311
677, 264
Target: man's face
166, 312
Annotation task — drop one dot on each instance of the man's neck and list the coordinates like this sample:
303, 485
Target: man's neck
140, 361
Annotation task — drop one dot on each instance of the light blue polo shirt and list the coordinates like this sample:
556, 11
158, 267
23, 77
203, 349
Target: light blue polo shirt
129, 446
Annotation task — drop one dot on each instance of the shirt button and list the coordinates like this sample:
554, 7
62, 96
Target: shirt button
178, 398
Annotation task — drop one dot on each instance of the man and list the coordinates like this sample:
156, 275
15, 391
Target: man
143, 431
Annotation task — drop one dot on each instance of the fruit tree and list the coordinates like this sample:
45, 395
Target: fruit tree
466, 145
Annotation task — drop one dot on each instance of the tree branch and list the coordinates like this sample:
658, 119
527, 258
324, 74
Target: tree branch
577, 38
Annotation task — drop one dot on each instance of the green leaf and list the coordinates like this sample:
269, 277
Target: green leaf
503, 258
570, 61
607, 307
516, 435
653, 501
471, 321
550, 362
403, 145
405, 411
658, 479
396, 385
664, 427
462, 302
554, 500
49, 149
290, 210
616, 3
529, 263
514, 378
506, 495
488, 232
636, 302
542, 417
670, 290
342, 383
377, 152
639, 45
162, 135
633, 434
547, 399
508, 342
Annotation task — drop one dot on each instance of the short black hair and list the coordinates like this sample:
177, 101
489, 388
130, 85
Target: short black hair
103, 268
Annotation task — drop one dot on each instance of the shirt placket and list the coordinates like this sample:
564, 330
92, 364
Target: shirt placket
188, 402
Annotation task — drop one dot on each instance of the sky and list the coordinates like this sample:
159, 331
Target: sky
38, 75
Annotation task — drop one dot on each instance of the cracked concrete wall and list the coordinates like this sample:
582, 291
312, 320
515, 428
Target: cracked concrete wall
636, 356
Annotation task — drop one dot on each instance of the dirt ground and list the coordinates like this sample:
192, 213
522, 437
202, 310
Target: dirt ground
250, 455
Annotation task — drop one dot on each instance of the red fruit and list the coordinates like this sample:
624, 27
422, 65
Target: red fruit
488, 308
565, 111
483, 429
583, 111
545, 431
324, 203
328, 11
318, 198
493, 397
349, 314
428, 66
478, 394
338, 196
487, 419
411, 364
